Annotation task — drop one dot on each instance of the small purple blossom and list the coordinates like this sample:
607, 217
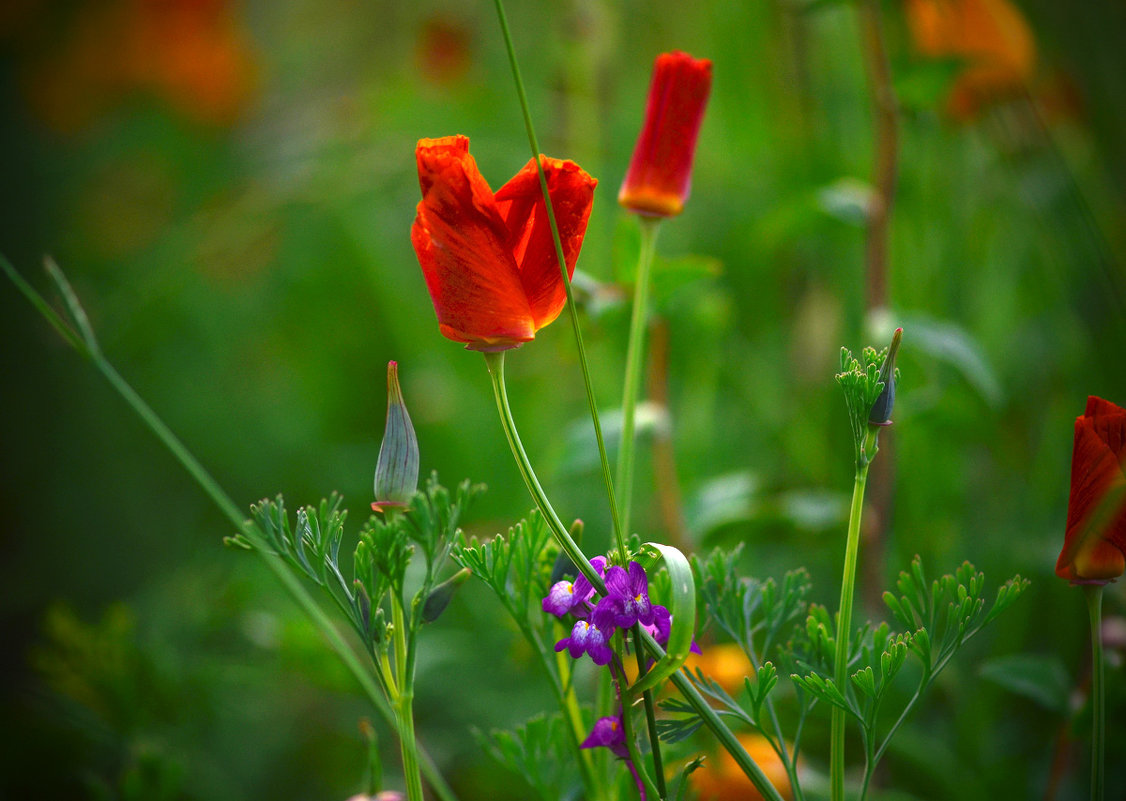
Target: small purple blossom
573, 596
560, 598
608, 732
587, 637
627, 597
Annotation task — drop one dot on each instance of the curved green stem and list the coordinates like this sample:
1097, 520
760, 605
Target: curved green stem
635, 358
573, 312
1094, 596
495, 363
87, 346
844, 629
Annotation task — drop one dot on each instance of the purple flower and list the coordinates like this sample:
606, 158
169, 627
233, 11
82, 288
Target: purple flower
661, 625
627, 597
608, 732
567, 596
587, 637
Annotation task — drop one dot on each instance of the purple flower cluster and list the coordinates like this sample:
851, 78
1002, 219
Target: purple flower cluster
596, 619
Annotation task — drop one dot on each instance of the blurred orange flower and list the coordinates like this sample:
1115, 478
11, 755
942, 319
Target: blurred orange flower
992, 37
194, 54
1094, 546
721, 779
489, 260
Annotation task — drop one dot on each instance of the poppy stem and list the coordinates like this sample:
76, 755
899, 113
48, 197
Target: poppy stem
635, 356
607, 479
1094, 595
844, 630
495, 362
86, 345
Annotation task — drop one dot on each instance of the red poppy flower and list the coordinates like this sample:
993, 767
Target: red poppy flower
660, 174
1094, 547
489, 260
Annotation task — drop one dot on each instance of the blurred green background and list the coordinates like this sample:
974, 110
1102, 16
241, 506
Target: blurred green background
230, 187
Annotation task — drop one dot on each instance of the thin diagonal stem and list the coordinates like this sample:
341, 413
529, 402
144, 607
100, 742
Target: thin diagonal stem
88, 349
635, 358
574, 314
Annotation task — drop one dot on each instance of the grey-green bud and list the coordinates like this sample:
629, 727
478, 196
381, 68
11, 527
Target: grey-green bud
396, 472
439, 598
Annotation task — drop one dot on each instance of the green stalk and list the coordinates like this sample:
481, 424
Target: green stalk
650, 716
408, 745
615, 517
1094, 596
635, 359
404, 701
87, 347
844, 628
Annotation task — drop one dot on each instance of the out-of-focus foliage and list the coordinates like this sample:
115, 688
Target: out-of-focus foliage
230, 186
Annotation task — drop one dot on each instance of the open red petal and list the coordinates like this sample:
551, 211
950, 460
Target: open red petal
1095, 541
520, 202
460, 240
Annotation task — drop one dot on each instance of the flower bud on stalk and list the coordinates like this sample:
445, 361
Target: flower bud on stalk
396, 471
439, 598
880, 415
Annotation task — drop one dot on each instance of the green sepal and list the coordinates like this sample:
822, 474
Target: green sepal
681, 605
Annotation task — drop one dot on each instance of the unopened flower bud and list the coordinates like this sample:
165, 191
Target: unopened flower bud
880, 415
439, 598
396, 472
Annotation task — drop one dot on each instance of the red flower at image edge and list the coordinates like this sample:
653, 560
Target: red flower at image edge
660, 173
489, 260
1094, 547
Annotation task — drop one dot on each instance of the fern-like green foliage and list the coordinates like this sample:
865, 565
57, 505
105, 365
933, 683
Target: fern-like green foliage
311, 545
537, 751
775, 625
938, 619
518, 568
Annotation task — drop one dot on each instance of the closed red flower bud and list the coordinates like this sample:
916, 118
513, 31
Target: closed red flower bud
1094, 547
660, 173
489, 259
